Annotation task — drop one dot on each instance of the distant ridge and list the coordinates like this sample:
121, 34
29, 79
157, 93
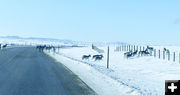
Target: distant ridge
36, 38
11, 37
63, 40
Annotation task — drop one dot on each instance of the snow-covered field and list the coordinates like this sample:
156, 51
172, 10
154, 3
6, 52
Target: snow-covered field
136, 76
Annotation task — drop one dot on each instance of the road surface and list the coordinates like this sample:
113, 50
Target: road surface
25, 71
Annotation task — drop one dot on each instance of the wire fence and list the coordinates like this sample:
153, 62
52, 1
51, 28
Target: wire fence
157, 53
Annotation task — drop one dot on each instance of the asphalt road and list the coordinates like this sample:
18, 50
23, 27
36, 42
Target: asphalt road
25, 71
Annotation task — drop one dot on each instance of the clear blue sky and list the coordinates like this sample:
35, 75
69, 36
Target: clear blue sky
135, 21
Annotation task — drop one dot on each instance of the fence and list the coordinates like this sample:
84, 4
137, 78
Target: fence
97, 49
157, 53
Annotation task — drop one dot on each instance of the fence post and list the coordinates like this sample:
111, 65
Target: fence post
137, 48
143, 48
154, 52
174, 56
54, 50
169, 55
134, 48
151, 53
58, 49
108, 58
163, 54
127, 48
124, 47
159, 54
121, 47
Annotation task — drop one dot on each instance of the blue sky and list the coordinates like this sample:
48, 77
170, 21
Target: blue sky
134, 21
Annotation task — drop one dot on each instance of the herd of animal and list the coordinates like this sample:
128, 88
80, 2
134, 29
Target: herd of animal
45, 47
129, 54
95, 57
145, 52
84, 57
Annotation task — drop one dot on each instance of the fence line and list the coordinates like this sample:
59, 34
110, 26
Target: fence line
161, 54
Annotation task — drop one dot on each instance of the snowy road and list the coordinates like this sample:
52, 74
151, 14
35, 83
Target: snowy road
25, 71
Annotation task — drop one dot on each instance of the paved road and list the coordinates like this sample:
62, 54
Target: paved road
25, 71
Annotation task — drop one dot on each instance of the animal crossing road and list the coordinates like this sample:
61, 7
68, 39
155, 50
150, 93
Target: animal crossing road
26, 71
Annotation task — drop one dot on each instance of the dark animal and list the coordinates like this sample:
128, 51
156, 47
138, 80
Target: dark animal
166, 50
86, 57
98, 58
134, 53
40, 47
130, 54
145, 52
4, 46
150, 48
54, 49
94, 56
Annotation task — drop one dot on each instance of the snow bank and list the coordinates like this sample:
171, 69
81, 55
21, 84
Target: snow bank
100, 83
